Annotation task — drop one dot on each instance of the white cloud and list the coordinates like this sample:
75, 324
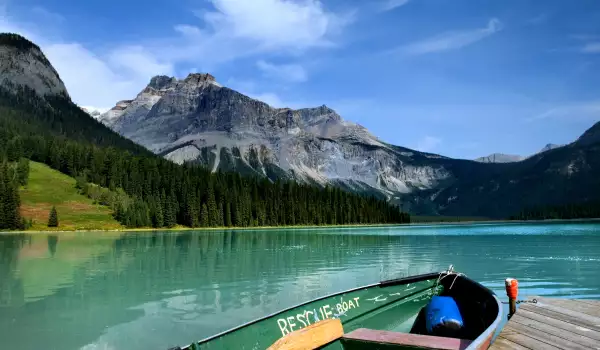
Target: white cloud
428, 144
138, 61
589, 110
591, 48
388, 5
274, 23
92, 80
451, 40
286, 72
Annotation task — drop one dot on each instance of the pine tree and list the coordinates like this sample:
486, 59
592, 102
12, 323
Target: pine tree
23, 171
204, 219
53, 218
213, 213
228, 222
157, 215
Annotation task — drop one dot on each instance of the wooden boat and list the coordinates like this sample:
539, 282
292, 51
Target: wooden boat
386, 315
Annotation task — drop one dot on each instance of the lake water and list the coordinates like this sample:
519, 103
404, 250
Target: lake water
154, 290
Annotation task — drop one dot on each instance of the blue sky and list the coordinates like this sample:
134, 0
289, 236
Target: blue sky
463, 78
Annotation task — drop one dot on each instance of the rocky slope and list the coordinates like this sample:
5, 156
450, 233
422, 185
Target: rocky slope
196, 119
22, 63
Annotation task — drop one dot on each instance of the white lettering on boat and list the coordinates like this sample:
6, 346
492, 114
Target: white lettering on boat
303, 319
377, 299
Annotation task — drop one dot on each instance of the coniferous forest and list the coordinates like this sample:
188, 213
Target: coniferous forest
590, 210
156, 192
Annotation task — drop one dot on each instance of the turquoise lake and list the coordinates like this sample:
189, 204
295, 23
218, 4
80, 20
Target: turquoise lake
155, 290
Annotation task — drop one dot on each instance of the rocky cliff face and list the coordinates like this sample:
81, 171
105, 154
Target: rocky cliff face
22, 63
196, 119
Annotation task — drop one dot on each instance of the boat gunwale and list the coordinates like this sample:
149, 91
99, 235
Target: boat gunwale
383, 284
480, 340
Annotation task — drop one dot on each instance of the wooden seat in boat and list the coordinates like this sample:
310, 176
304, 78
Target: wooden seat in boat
311, 337
418, 341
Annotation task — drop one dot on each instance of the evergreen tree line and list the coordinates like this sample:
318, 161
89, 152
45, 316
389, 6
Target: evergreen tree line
12, 175
158, 192
589, 210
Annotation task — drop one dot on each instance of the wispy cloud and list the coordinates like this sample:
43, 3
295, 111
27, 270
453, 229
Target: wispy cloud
593, 47
589, 110
539, 19
451, 40
428, 144
388, 5
286, 72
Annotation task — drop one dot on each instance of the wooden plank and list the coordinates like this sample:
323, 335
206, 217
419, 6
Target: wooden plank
505, 344
564, 315
553, 324
311, 337
591, 302
523, 340
550, 334
414, 340
571, 305
562, 325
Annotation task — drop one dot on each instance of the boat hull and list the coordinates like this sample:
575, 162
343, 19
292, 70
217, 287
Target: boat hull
387, 305
395, 306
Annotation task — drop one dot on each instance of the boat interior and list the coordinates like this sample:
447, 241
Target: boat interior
478, 307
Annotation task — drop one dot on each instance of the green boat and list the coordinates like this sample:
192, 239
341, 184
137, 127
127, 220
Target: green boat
386, 315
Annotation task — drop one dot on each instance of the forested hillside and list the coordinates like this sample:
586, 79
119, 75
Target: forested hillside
160, 193
589, 210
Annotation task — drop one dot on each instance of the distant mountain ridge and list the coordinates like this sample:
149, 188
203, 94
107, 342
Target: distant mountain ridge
499, 158
507, 158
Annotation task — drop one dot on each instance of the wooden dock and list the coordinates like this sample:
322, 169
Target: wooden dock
552, 324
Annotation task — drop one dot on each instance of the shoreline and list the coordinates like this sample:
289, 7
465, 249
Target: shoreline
412, 224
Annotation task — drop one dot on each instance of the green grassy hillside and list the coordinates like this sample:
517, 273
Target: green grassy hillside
48, 187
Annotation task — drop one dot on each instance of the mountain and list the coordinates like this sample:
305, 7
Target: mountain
39, 122
549, 147
499, 158
93, 112
24, 64
565, 175
591, 136
507, 158
197, 119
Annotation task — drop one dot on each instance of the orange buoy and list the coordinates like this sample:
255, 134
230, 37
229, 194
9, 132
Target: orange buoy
512, 291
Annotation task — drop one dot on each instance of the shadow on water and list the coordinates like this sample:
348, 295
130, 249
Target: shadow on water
159, 289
